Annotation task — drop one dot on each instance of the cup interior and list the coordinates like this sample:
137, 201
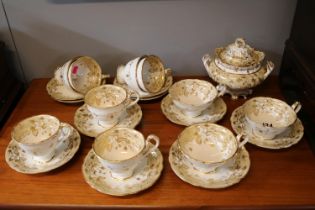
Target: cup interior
36, 129
270, 112
105, 96
207, 143
193, 92
84, 74
153, 75
119, 144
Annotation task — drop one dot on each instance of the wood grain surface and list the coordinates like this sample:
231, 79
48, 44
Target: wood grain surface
276, 179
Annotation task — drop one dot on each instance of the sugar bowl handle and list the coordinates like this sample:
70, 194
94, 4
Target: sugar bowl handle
269, 68
296, 106
206, 59
239, 138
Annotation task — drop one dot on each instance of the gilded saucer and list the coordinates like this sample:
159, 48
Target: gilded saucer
284, 140
59, 92
86, 124
151, 96
21, 162
212, 114
227, 175
99, 177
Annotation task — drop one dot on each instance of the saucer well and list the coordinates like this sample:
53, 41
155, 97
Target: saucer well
21, 162
89, 126
99, 177
227, 175
151, 96
212, 114
284, 140
62, 93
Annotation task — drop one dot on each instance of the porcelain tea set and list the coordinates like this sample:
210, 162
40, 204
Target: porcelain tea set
122, 161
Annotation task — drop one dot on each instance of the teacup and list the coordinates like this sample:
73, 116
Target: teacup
121, 150
145, 74
192, 96
151, 74
268, 117
84, 74
207, 146
39, 136
108, 102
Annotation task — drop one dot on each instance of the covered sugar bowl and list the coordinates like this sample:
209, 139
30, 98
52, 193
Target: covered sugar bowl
237, 68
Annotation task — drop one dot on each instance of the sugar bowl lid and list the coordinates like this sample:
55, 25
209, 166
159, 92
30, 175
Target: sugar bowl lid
239, 54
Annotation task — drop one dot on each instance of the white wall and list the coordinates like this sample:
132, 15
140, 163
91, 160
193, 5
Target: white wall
47, 33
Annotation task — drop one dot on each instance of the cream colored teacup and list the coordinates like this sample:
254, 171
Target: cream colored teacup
145, 74
84, 74
39, 136
108, 102
121, 150
268, 117
151, 74
192, 96
207, 146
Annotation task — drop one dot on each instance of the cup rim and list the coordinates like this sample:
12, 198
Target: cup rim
176, 85
28, 118
86, 101
202, 161
274, 100
112, 130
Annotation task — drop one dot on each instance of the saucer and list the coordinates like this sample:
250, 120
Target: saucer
150, 96
212, 114
99, 177
284, 140
59, 92
224, 176
87, 125
21, 162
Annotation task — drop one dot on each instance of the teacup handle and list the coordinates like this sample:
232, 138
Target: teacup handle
66, 131
168, 71
104, 77
269, 68
150, 138
239, 138
133, 98
296, 106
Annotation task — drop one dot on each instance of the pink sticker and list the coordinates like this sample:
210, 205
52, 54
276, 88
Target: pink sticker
75, 69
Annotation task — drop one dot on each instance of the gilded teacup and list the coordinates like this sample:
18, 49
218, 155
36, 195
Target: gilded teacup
39, 136
192, 96
121, 150
268, 117
207, 146
108, 102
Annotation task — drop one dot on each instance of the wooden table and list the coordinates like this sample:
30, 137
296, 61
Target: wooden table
277, 179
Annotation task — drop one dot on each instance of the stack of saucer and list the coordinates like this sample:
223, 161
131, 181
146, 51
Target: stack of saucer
268, 122
123, 162
105, 107
146, 75
192, 101
209, 156
41, 143
74, 79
